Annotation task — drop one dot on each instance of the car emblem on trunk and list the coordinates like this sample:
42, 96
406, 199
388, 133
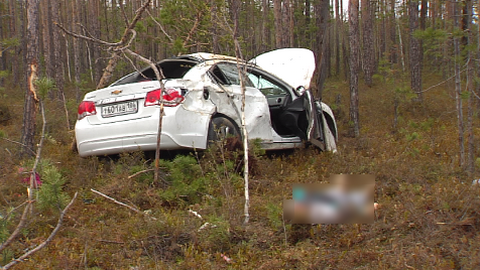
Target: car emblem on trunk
116, 92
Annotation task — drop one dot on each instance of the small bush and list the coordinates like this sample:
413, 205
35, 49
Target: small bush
185, 179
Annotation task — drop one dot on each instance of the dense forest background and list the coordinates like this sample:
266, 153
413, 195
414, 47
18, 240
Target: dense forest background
387, 30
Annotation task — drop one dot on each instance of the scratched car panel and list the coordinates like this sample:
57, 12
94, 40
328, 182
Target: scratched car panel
201, 95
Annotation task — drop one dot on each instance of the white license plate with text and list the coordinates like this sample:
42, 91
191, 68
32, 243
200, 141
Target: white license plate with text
121, 108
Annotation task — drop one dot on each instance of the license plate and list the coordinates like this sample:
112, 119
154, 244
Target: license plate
121, 108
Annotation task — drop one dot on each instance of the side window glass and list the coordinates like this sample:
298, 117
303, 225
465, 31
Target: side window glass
227, 73
266, 86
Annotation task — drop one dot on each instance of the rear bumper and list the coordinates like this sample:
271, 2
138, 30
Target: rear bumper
180, 129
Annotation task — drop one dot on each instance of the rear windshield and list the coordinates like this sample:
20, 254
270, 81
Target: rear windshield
172, 69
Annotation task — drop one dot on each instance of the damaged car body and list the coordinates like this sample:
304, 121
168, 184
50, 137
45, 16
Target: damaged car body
202, 99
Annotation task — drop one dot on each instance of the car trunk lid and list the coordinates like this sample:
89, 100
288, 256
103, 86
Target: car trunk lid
126, 102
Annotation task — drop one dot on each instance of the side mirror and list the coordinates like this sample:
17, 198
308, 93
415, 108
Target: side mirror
300, 90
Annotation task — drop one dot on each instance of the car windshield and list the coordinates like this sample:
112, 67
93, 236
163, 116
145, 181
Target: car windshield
172, 69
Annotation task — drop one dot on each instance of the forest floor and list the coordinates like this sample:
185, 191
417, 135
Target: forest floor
428, 216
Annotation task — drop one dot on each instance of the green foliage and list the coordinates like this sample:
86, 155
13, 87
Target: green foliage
429, 33
275, 214
256, 147
140, 27
2, 134
7, 256
3, 228
405, 93
186, 182
433, 41
86, 84
477, 162
4, 73
44, 85
465, 95
51, 194
9, 44
216, 237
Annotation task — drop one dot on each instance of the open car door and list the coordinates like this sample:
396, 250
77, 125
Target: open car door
311, 120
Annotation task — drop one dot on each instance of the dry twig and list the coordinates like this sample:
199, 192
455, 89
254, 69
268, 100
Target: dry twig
47, 241
121, 203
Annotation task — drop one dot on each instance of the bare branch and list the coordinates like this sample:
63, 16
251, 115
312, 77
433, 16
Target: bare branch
159, 74
33, 182
137, 17
161, 26
442, 82
93, 39
140, 172
125, 18
134, 35
120, 203
24, 145
33, 185
21, 224
194, 27
46, 242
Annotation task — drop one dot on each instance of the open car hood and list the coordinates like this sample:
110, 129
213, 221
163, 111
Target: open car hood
295, 66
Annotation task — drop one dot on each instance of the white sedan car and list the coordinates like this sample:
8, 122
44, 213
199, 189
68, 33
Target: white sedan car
202, 96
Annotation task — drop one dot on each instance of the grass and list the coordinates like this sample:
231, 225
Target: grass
428, 216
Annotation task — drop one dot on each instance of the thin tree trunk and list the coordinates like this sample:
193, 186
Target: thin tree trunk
57, 62
368, 51
338, 28
354, 63
266, 29
31, 99
277, 9
46, 37
458, 88
76, 50
213, 28
393, 34
400, 40
344, 44
321, 8
238, 54
415, 52
471, 89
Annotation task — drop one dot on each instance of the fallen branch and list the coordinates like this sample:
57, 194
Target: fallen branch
111, 242
442, 82
19, 143
33, 185
140, 172
18, 229
46, 242
121, 203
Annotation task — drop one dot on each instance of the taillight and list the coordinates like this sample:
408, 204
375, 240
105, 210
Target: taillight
86, 108
171, 98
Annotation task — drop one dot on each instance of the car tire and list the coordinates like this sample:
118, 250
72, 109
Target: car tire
222, 129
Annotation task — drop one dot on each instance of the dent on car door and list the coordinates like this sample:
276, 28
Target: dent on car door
277, 96
257, 115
